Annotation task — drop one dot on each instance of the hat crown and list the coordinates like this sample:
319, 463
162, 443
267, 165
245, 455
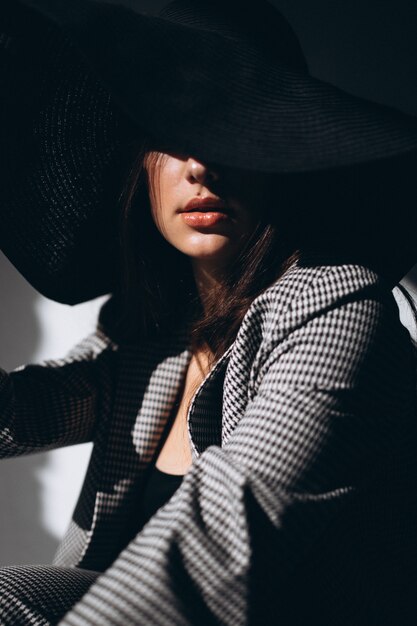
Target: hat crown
257, 24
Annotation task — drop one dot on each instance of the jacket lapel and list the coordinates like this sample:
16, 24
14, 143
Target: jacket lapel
150, 379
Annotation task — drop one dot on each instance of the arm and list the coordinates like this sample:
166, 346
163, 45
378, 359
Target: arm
314, 437
55, 403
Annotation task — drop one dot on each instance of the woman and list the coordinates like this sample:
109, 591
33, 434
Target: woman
280, 401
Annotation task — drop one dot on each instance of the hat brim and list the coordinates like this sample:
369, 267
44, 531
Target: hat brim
117, 72
203, 93
62, 162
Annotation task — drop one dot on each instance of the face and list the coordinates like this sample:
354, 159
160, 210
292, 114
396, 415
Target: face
207, 213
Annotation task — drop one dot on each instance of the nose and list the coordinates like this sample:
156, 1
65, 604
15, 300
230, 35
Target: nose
201, 173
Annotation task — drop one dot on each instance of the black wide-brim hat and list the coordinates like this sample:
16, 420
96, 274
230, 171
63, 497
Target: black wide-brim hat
223, 81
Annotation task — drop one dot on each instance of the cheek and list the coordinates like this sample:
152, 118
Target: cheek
167, 221
160, 200
166, 195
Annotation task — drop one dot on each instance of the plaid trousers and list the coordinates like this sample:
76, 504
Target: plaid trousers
301, 503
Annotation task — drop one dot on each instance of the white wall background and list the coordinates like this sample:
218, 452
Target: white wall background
38, 492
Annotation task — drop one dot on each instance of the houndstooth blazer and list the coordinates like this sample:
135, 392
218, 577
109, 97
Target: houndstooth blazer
301, 503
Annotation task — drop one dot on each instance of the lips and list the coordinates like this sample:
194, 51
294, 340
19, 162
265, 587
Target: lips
204, 205
204, 219
205, 213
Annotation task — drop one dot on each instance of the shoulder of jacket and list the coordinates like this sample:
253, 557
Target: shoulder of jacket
307, 290
321, 285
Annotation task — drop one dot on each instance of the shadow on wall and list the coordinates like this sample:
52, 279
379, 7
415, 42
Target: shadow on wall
411, 280
20, 488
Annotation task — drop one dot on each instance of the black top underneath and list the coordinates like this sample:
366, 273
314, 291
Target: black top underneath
159, 488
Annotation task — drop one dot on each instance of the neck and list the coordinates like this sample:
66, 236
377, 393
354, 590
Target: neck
207, 279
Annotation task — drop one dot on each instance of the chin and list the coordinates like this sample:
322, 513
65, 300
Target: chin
209, 250
211, 255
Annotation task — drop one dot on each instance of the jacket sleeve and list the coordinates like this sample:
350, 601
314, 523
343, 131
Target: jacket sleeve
313, 435
55, 403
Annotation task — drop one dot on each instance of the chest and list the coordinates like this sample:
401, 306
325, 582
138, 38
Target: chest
162, 391
162, 388
175, 455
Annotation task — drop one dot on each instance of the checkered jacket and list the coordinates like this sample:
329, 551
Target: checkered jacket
301, 503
